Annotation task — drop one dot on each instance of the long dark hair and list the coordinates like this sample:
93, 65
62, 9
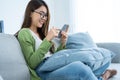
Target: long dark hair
32, 6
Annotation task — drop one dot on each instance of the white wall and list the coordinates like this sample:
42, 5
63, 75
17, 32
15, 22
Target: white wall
51, 8
60, 13
101, 18
12, 13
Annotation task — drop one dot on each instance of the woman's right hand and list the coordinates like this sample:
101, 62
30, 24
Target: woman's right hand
52, 33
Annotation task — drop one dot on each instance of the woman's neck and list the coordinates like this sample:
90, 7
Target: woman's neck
34, 29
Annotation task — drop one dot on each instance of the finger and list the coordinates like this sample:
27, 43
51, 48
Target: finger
64, 33
64, 37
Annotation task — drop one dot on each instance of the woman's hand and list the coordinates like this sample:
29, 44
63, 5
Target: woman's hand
52, 33
64, 37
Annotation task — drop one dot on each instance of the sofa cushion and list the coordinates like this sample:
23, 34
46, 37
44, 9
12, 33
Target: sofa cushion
1, 77
115, 47
80, 40
12, 63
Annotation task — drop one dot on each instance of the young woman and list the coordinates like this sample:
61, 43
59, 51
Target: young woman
36, 44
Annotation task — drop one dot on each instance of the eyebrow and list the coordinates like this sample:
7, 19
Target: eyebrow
43, 12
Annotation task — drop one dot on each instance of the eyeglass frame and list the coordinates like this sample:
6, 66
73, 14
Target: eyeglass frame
42, 14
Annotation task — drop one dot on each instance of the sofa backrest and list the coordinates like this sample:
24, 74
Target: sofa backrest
12, 62
115, 47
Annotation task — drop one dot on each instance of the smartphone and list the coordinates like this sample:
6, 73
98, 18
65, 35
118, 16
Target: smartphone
64, 28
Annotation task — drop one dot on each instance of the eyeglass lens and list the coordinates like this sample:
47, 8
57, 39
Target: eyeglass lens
42, 14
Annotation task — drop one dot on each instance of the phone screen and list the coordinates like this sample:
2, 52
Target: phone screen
64, 28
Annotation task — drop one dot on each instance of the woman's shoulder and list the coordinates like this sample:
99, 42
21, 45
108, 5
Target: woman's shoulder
24, 32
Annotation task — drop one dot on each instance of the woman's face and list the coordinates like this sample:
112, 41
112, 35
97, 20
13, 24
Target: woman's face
39, 17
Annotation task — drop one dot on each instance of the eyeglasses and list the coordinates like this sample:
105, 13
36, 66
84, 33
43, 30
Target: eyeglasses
42, 15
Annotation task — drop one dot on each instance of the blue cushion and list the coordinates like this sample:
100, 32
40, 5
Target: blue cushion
80, 40
78, 49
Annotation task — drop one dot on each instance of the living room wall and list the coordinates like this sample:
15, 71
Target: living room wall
12, 13
101, 18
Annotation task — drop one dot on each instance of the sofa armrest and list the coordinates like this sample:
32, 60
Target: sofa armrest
115, 47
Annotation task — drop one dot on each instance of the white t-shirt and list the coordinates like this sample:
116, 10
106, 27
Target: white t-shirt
38, 41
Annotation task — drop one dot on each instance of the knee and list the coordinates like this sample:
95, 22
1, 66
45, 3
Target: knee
79, 66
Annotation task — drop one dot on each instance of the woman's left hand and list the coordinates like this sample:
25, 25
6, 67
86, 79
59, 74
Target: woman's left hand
64, 37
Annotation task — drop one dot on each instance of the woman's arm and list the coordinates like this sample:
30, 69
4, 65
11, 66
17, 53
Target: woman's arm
27, 43
63, 41
61, 47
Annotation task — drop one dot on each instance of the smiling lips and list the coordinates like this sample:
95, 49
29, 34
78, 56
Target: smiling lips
41, 22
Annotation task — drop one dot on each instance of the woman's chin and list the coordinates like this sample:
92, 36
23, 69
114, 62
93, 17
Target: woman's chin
39, 26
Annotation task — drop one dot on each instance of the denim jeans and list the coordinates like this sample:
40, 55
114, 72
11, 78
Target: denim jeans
73, 71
